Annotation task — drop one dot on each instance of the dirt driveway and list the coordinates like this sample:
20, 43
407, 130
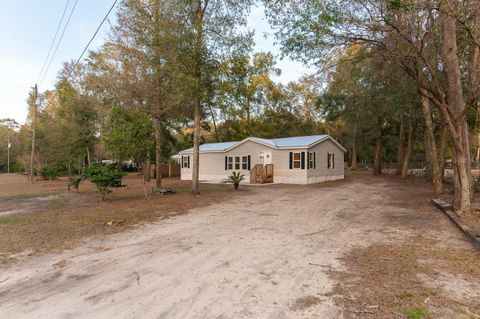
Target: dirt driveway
278, 253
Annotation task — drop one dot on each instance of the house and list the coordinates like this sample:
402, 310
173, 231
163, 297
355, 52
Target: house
290, 160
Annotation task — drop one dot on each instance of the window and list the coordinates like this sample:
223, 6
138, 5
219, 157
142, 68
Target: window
245, 162
237, 162
185, 161
330, 160
311, 160
297, 160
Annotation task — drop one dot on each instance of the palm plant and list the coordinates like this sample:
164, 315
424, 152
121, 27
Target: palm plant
234, 179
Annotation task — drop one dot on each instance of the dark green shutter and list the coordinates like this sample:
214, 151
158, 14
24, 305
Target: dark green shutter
291, 160
302, 158
248, 162
308, 160
314, 161
226, 162
333, 160
188, 161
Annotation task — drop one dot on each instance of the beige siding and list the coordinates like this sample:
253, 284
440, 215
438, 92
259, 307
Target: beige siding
322, 172
212, 165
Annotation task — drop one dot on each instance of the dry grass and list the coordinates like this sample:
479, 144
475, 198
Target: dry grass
382, 281
304, 303
62, 223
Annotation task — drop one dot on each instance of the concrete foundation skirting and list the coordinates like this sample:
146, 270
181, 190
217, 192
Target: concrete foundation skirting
448, 210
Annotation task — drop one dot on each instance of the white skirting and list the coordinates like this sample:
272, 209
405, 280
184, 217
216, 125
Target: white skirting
319, 179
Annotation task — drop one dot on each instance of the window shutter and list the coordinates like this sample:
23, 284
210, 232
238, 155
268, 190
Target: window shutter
188, 161
314, 161
226, 162
291, 160
248, 162
308, 160
333, 160
302, 159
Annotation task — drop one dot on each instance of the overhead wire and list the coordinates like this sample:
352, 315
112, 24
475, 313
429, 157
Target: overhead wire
58, 43
53, 41
89, 42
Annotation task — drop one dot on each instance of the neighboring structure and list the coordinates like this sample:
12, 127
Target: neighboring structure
291, 160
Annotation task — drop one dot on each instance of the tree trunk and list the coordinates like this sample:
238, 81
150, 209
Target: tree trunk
88, 157
428, 154
431, 146
377, 160
199, 14
354, 143
408, 153
196, 146
158, 152
401, 145
456, 105
214, 124
147, 171
354, 156
441, 151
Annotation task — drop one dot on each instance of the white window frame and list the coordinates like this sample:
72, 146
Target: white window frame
330, 160
238, 163
311, 160
299, 160
185, 161
230, 163
244, 162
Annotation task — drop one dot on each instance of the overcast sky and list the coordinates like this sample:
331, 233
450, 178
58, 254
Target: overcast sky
27, 28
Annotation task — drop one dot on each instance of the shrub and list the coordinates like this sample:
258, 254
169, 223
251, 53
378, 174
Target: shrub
105, 177
74, 181
50, 172
234, 179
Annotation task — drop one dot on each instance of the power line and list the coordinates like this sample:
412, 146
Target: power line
53, 41
59, 41
96, 31
89, 42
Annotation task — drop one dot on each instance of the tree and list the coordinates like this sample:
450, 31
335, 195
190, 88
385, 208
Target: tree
435, 43
8, 135
130, 135
369, 95
105, 177
140, 67
213, 26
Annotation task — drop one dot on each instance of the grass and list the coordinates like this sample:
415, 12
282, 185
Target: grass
304, 303
62, 223
416, 313
397, 266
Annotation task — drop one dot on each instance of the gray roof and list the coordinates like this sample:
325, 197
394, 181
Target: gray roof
277, 143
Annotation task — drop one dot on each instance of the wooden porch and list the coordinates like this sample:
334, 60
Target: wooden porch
261, 174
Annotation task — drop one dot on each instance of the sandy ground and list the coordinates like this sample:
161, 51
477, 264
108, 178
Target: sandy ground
253, 257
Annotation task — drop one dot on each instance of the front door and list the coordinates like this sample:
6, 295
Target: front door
267, 157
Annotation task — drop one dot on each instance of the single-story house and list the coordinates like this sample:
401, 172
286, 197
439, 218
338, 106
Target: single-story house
290, 160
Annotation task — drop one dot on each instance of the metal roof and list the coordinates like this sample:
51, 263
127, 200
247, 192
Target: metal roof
212, 147
276, 143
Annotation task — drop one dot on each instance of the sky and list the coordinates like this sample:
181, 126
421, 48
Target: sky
27, 28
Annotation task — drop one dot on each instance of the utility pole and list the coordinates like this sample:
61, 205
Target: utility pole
34, 125
8, 151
